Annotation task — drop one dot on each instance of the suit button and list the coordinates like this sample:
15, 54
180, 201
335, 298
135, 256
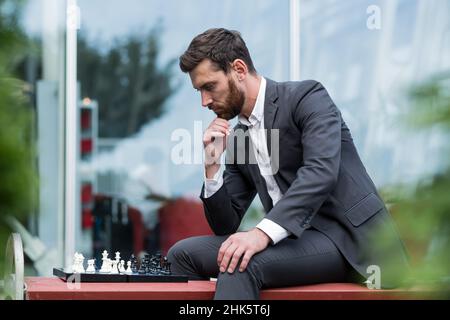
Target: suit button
305, 225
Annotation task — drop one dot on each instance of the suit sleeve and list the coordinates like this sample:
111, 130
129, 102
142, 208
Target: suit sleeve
320, 123
225, 209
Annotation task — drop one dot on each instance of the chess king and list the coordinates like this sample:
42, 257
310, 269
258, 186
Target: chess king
322, 209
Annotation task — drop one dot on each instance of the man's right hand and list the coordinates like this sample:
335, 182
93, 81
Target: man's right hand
215, 142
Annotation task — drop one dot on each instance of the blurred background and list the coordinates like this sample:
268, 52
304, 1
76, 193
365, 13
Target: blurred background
93, 105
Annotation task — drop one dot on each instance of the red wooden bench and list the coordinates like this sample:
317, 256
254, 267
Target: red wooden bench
52, 288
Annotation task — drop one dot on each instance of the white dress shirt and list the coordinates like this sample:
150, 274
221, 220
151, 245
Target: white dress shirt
255, 124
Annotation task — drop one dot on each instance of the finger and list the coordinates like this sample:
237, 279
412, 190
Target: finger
235, 260
211, 136
221, 121
245, 260
223, 248
217, 134
227, 257
219, 128
214, 130
225, 124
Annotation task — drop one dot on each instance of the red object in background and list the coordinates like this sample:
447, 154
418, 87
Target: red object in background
86, 119
87, 220
139, 231
181, 219
86, 146
87, 198
86, 193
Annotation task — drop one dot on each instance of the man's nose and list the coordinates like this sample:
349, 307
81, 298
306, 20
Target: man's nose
206, 99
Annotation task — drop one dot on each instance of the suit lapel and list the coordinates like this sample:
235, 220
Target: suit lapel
270, 109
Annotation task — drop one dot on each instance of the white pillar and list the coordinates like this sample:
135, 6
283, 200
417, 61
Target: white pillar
71, 134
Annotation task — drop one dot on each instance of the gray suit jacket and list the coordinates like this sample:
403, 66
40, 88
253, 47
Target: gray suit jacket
323, 181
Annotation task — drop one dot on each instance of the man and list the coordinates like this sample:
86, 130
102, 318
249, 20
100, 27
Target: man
321, 206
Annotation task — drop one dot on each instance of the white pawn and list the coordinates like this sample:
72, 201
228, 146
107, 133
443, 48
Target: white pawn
128, 271
91, 267
122, 266
114, 269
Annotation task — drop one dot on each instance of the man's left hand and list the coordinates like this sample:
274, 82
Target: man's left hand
241, 244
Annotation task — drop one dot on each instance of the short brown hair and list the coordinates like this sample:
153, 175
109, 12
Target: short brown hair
221, 46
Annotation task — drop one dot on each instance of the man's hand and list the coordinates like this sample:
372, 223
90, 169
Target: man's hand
215, 142
241, 243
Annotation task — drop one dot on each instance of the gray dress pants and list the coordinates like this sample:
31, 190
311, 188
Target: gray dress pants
312, 258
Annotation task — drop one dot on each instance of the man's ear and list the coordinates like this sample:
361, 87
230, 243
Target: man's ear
241, 69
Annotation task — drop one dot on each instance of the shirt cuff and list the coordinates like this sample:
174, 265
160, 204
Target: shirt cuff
212, 185
273, 230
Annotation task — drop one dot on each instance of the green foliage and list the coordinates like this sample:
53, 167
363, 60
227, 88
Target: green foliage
18, 179
430, 102
129, 87
12, 40
422, 211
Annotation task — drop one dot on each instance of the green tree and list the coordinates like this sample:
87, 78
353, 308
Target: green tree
17, 174
130, 88
422, 211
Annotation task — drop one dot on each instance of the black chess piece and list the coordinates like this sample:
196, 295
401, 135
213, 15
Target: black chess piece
148, 264
157, 265
164, 266
154, 265
143, 266
134, 266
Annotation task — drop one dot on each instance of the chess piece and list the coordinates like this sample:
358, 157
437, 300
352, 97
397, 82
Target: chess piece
128, 270
134, 266
75, 263
106, 264
143, 267
81, 263
122, 266
169, 272
114, 269
91, 267
165, 266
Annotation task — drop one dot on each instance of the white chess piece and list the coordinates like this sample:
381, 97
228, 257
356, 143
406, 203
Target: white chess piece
128, 271
75, 263
91, 267
81, 263
122, 266
117, 256
105, 263
77, 266
114, 269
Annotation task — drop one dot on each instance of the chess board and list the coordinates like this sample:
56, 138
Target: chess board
106, 277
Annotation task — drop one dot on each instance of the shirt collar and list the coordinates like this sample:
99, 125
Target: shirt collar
258, 110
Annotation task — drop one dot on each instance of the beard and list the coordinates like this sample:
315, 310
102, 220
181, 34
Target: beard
233, 102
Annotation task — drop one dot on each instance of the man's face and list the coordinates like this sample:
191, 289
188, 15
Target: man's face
218, 90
